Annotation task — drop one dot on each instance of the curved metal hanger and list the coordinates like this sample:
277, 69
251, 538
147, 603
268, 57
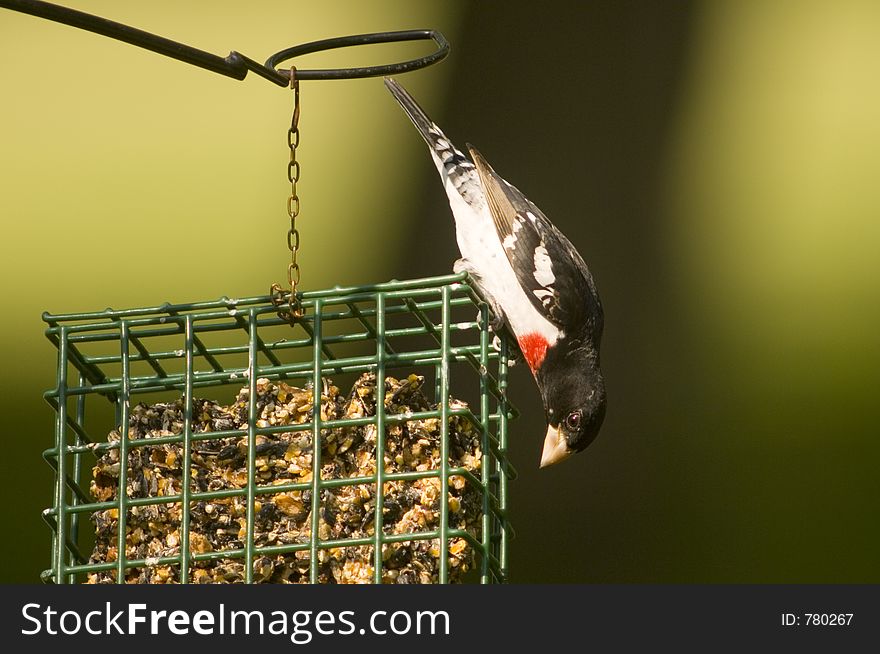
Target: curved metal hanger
237, 65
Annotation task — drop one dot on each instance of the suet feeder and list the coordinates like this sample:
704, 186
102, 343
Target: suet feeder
348, 435
422, 331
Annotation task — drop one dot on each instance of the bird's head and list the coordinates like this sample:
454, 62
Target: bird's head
574, 402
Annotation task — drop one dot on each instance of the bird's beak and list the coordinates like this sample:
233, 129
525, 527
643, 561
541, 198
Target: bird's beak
555, 447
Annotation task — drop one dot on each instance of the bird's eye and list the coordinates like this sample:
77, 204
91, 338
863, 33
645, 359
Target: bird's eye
573, 420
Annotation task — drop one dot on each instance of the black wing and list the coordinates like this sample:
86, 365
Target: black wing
547, 265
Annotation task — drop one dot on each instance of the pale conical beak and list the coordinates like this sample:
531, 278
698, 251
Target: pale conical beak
555, 447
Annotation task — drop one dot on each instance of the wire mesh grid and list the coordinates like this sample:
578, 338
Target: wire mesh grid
111, 358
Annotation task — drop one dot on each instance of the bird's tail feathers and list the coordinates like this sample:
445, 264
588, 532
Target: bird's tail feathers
435, 138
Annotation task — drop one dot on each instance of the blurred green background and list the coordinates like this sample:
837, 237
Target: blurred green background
715, 162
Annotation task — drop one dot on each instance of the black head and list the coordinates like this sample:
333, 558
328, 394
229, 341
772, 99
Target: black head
573, 391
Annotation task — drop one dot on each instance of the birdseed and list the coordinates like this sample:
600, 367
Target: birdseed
284, 518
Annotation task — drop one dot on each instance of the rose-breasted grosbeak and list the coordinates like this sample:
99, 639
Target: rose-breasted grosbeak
534, 281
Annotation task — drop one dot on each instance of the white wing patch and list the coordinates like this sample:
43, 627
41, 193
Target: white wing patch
543, 267
509, 242
544, 295
517, 223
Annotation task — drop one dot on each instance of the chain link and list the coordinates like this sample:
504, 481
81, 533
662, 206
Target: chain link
293, 309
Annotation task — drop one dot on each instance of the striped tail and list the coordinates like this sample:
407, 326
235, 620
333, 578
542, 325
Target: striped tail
446, 153
458, 174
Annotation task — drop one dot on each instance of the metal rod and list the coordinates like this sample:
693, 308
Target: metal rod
253, 372
503, 411
272, 550
122, 488
485, 472
379, 504
317, 386
80, 417
49, 514
340, 294
186, 463
61, 441
442, 572
237, 65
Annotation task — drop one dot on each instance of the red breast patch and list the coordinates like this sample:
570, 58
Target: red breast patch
534, 348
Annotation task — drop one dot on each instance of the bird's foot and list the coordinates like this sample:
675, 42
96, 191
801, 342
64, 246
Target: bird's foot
496, 317
514, 356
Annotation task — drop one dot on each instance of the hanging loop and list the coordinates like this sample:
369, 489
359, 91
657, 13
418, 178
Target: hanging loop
237, 65
363, 39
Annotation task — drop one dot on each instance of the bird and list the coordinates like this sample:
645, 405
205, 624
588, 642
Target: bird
533, 280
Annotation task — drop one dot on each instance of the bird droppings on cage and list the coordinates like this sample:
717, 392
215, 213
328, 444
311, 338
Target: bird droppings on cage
346, 512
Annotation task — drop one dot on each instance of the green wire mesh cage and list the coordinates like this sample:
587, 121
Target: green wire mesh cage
197, 492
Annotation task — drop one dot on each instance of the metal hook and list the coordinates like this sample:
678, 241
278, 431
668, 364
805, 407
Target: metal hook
237, 65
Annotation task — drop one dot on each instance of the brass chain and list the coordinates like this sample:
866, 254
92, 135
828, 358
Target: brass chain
293, 309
